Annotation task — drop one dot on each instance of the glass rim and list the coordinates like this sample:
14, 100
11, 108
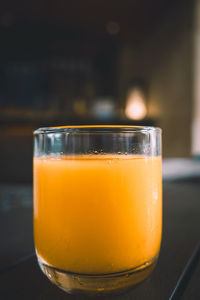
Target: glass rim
97, 129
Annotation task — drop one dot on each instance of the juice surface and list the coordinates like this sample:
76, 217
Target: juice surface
98, 213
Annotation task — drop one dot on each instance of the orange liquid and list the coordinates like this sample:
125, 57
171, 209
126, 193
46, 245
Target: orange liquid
97, 214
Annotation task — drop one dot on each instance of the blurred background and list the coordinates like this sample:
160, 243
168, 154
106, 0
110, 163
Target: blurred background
97, 62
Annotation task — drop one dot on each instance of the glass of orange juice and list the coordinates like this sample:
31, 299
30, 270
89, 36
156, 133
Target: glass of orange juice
97, 205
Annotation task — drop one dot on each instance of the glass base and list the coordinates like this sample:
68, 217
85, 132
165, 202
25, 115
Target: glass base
101, 284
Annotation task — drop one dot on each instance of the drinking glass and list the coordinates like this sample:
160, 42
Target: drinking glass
97, 205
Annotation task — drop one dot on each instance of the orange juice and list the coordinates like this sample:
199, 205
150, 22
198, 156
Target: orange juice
97, 214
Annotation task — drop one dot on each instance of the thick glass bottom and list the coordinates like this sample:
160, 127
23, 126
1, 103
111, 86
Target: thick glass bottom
100, 284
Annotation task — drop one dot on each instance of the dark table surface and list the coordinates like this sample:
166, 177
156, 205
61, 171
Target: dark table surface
21, 278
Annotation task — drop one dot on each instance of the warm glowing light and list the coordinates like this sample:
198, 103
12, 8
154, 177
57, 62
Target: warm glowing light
135, 105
